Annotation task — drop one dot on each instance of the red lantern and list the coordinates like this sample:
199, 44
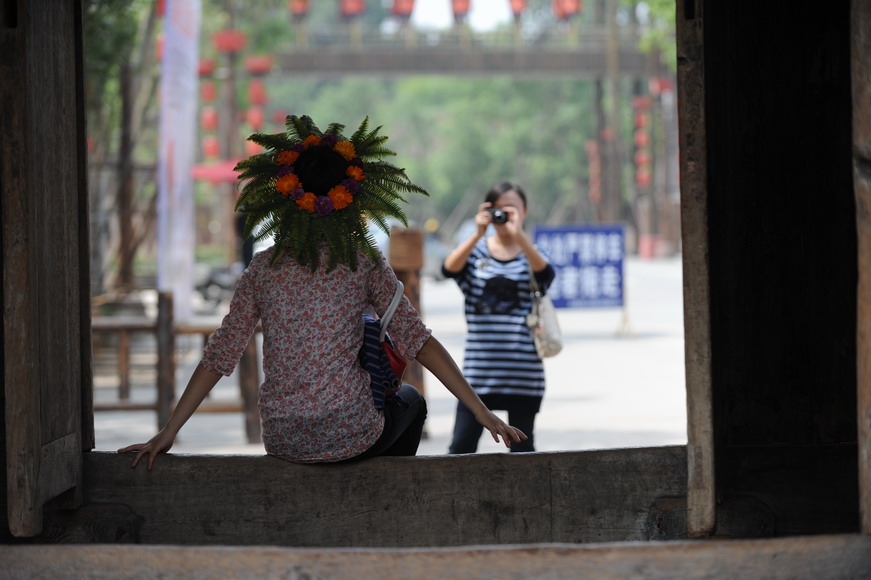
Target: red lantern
161, 8
461, 8
594, 164
563, 9
209, 118
299, 8
641, 138
640, 102
352, 7
659, 85
642, 159
257, 92
518, 6
211, 147
254, 116
208, 92
642, 178
258, 64
229, 40
206, 67
403, 8
158, 48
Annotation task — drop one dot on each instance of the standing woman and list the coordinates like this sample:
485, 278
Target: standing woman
501, 362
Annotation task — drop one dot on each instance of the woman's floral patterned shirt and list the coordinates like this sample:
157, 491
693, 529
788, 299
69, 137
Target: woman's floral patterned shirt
315, 402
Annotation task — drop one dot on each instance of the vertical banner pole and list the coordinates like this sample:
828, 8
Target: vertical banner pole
178, 117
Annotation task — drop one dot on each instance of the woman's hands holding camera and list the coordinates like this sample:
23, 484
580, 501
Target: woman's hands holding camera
504, 216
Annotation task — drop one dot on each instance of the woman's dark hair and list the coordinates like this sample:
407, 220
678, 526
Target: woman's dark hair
504, 187
320, 169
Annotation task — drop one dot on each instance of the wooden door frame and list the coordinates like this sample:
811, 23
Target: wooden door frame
701, 484
860, 21
701, 509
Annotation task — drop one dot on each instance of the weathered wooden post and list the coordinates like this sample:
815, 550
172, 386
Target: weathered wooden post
406, 259
249, 387
165, 358
861, 43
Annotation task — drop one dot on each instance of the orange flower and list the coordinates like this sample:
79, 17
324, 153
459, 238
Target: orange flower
287, 183
355, 172
287, 157
345, 149
311, 140
307, 201
340, 197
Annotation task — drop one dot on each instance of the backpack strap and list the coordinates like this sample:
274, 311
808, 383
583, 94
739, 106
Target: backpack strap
394, 304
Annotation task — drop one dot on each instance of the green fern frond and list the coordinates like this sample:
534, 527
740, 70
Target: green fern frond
334, 129
300, 229
358, 135
275, 142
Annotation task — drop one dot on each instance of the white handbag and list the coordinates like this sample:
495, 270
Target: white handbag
542, 322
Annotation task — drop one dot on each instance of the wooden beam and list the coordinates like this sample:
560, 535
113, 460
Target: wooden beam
701, 507
20, 340
401, 61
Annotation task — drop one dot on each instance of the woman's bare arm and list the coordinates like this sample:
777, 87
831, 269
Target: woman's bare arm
200, 384
439, 362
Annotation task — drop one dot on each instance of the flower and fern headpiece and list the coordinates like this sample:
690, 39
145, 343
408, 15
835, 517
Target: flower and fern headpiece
310, 186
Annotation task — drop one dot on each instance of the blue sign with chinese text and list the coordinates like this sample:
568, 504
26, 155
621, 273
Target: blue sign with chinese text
589, 264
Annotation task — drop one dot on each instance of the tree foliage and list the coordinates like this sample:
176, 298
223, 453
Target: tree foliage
458, 136
658, 35
454, 136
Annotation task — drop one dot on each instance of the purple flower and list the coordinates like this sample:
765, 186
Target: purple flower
284, 170
323, 205
352, 185
297, 194
299, 148
329, 140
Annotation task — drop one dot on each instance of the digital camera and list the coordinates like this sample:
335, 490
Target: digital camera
499, 216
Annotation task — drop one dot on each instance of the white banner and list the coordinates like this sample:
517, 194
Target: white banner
176, 233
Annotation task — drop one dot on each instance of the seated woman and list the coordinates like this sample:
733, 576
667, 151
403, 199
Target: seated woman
314, 193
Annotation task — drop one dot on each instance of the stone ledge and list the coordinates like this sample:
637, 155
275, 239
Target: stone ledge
818, 557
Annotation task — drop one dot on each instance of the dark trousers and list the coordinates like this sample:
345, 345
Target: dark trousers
403, 425
467, 431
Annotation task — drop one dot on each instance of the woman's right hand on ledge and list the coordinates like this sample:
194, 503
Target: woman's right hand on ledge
499, 428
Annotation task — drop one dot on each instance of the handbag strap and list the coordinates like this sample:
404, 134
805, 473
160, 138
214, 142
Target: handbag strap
533, 283
394, 304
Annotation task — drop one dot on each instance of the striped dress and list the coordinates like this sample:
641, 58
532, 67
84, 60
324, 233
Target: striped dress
500, 357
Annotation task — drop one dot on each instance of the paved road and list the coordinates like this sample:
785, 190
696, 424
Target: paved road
619, 381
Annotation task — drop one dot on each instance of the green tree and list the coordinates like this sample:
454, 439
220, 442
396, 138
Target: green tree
120, 90
657, 18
